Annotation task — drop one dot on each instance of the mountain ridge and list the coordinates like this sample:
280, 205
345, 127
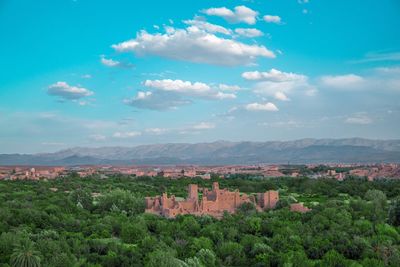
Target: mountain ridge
307, 150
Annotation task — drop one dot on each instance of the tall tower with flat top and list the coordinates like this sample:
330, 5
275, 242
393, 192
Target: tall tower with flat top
193, 192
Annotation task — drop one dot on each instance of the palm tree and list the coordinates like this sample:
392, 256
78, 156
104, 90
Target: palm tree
25, 255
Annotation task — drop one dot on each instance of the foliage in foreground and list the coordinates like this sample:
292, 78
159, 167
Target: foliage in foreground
62, 223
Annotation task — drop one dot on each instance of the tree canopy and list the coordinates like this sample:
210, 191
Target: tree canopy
101, 222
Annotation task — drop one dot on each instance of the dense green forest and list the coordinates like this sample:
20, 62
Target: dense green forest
91, 221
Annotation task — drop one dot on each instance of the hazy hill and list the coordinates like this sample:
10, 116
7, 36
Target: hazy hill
351, 150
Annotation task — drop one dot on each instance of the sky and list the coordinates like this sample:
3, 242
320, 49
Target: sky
95, 73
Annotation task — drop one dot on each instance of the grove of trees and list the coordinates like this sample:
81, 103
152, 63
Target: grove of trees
91, 221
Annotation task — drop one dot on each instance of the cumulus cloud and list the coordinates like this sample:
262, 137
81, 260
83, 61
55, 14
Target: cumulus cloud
221, 96
278, 84
195, 45
273, 75
193, 89
180, 86
271, 88
114, 63
348, 81
249, 32
239, 14
272, 19
281, 96
382, 79
170, 94
143, 95
124, 135
157, 100
209, 27
109, 62
261, 107
68, 92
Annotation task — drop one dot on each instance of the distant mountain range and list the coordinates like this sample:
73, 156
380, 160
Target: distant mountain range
350, 150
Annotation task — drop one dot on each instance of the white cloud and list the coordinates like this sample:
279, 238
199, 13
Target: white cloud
197, 88
378, 56
221, 95
170, 94
249, 32
270, 88
86, 76
99, 124
209, 27
272, 19
219, 11
196, 128
82, 102
239, 14
194, 45
193, 89
114, 63
389, 71
261, 107
311, 90
273, 75
143, 95
109, 62
97, 137
281, 96
204, 126
225, 87
156, 131
48, 115
290, 124
362, 119
277, 83
157, 100
126, 134
348, 81
378, 79
68, 92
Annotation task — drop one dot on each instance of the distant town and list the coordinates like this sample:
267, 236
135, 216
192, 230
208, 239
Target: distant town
336, 171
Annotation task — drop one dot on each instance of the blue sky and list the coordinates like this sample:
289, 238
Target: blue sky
105, 73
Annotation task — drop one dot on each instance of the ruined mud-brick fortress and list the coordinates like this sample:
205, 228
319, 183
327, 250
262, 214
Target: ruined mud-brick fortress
214, 202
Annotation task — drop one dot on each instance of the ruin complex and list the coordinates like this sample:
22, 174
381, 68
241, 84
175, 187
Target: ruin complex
213, 203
